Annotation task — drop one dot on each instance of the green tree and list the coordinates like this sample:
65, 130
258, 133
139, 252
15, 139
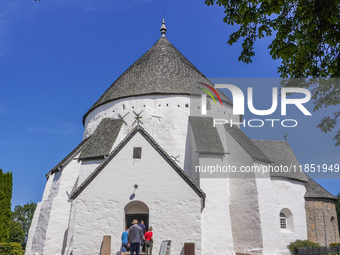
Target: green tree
5, 205
306, 38
16, 233
23, 215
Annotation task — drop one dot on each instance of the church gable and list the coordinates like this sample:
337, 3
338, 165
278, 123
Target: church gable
138, 152
137, 171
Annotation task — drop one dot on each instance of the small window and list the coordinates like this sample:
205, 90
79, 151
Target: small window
283, 220
137, 152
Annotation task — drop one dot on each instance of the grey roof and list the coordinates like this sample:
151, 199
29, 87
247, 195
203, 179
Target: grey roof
315, 191
246, 143
155, 145
280, 153
206, 135
101, 141
161, 70
72, 154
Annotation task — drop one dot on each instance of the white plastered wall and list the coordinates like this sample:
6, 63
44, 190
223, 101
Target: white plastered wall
244, 204
50, 221
39, 237
165, 118
267, 207
290, 194
175, 208
56, 235
86, 168
35, 221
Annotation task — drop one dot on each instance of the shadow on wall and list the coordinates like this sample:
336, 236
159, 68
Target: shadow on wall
182, 251
64, 241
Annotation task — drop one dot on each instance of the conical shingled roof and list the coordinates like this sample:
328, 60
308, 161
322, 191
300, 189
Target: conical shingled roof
161, 70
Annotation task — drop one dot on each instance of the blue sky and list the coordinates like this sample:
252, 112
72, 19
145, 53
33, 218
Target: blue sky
58, 57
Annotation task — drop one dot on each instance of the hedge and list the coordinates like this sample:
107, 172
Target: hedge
5, 205
294, 246
10, 249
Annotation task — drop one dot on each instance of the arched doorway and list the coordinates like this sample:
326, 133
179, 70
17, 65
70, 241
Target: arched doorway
136, 210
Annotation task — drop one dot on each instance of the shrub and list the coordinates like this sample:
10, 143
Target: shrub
334, 244
295, 246
10, 249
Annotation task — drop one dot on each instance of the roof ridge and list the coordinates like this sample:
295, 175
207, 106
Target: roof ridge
270, 140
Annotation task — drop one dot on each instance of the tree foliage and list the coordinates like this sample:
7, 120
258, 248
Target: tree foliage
23, 215
16, 233
10, 249
306, 39
5, 205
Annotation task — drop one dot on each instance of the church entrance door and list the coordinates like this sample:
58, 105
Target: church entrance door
136, 210
130, 217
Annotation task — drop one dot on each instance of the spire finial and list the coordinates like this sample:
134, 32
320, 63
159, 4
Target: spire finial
163, 29
285, 136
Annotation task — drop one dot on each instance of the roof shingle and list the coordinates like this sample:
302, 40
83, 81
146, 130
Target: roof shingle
314, 190
101, 141
280, 153
206, 135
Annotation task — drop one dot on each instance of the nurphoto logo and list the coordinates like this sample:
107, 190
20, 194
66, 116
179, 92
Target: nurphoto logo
239, 104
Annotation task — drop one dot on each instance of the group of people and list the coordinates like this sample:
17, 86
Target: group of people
135, 236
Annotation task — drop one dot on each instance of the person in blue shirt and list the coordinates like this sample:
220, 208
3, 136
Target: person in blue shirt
125, 242
142, 226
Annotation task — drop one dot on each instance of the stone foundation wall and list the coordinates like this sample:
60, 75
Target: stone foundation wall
322, 222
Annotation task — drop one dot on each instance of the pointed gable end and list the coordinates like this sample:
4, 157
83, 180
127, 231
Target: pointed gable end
156, 146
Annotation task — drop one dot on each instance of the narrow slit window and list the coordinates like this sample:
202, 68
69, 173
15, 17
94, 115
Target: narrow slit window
137, 152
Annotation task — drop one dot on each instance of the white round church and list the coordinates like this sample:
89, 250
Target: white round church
142, 143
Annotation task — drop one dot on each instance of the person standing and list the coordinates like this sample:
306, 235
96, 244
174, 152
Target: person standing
142, 226
148, 242
135, 237
125, 240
